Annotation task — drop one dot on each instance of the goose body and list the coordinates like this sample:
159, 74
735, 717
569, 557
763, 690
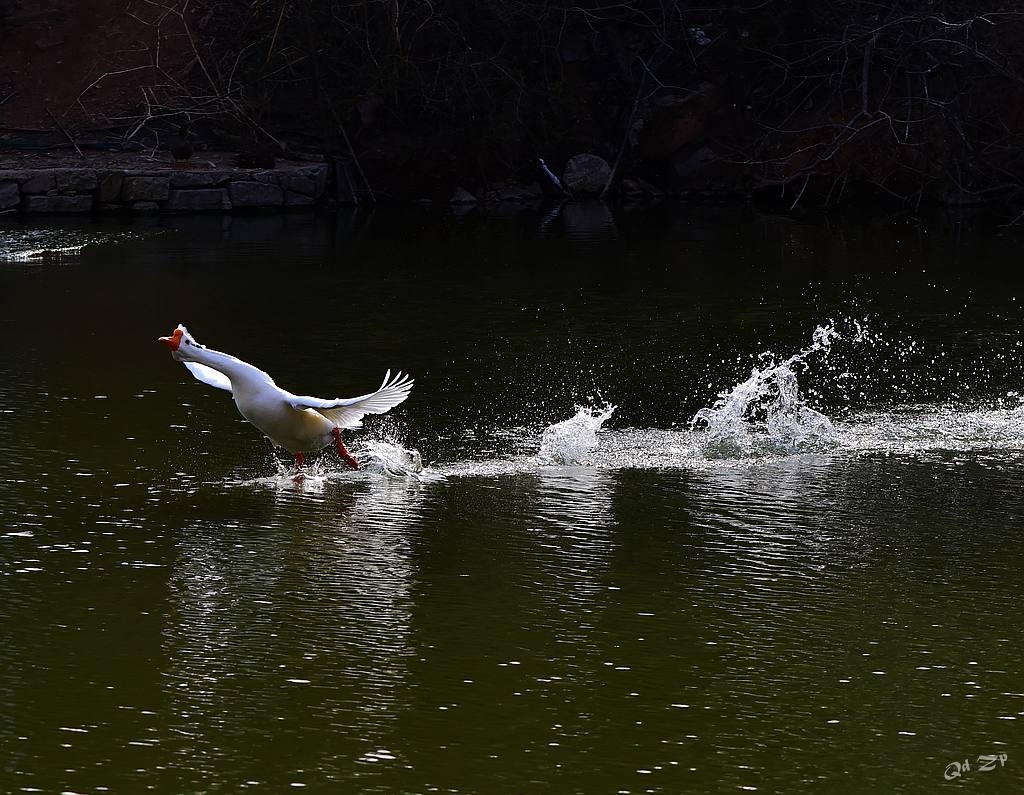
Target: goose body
298, 423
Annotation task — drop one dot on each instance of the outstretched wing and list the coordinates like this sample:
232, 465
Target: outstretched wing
208, 375
348, 412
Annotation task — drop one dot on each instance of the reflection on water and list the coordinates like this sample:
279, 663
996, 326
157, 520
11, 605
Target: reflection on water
51, 244
259, 612
589, 222
516, 593
575, 512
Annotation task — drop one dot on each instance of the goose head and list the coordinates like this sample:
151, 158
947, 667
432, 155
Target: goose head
179, 342
174, 340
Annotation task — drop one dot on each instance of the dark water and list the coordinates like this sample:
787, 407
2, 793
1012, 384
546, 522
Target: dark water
822, 589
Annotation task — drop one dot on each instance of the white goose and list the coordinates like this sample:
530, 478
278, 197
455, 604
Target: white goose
299, 424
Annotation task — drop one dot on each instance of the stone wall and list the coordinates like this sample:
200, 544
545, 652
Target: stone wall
186, 190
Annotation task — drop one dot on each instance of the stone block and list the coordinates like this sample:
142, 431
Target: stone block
319, 176
10, 196
269, 177
199, 179
145, 189
38, 182
75, 180
292, 199
145, 208
198, 200
58, 204
299, 183
110, 183
255, 194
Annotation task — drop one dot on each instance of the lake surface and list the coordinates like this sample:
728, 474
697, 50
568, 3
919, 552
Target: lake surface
818, 584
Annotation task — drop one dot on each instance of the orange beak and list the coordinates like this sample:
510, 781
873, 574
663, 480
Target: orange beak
172, 341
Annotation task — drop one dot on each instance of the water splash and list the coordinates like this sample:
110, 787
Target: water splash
928, 430
571, 441
387, 458
376, 458
310, 480
381, 450
767, 414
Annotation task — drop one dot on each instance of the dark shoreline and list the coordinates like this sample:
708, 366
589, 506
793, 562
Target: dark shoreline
123, 185
118, 184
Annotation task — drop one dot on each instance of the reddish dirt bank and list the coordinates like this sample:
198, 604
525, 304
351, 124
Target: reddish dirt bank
86, 61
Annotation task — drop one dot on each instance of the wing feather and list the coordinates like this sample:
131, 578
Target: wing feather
208, 375
348, 412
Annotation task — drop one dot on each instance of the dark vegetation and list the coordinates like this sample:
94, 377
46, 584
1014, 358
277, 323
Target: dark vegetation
787, 100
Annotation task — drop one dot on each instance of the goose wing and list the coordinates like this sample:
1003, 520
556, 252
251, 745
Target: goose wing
208, 375
348, 412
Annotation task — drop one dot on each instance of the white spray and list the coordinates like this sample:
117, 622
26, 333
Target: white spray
766, 414
571, 441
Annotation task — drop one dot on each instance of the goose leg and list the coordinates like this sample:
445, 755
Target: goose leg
342, 451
